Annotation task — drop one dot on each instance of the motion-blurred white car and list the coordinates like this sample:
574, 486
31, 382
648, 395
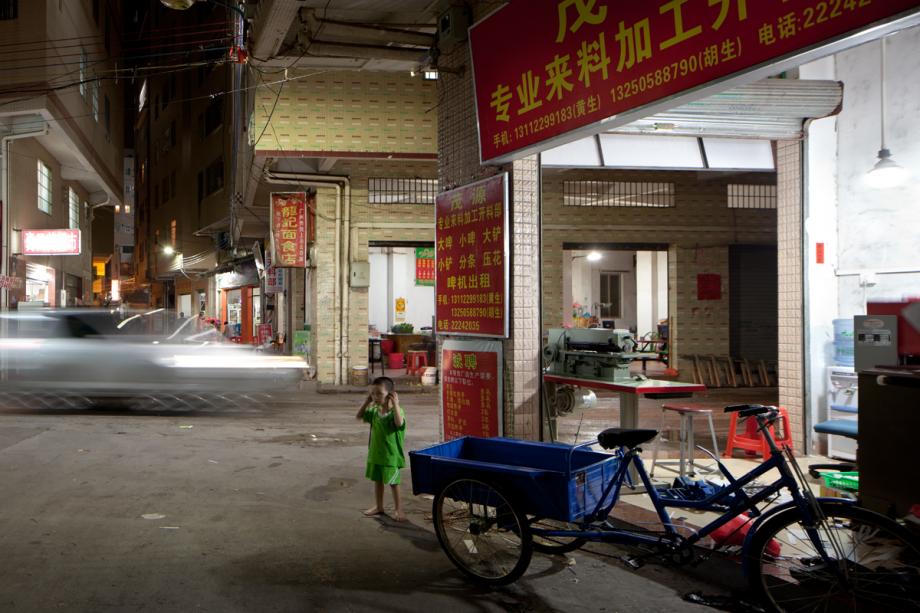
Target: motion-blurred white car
109, 354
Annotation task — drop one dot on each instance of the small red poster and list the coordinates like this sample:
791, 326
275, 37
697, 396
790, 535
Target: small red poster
265, 333
472, 259
471, 388
708, 287
289, 229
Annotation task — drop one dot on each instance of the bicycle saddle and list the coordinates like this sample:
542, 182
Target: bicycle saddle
624, 437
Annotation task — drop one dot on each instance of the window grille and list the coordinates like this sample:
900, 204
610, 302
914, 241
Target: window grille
743, 196
74, 208
9, 9
45, 199
401, 191
641, 194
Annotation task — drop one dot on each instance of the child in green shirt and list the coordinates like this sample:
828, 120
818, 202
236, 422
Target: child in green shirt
385, 449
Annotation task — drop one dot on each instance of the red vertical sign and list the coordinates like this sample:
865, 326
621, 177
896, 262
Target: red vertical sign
289, 229
472, 259
471, 388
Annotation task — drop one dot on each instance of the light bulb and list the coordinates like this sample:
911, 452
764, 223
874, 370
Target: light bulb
886, 172
168, 250
595, 256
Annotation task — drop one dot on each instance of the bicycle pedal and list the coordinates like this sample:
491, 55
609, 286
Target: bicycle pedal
633, 563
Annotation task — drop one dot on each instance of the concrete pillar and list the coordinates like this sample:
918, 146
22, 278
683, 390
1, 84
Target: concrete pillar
791, 289
458, 164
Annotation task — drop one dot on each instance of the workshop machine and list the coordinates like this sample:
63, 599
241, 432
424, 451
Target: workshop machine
600, 354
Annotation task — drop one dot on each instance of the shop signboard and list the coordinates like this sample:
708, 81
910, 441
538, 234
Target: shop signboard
582, 66
424, 266
274, 276
51, 242
8, 282
289, 229
471, 388
300, 341
471, 268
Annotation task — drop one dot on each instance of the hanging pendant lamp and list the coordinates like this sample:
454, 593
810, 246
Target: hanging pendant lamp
886, 172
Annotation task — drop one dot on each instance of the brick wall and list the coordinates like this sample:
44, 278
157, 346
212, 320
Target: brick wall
698, 229
349, 111
790, 265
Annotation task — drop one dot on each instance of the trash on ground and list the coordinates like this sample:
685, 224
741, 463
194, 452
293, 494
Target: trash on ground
169, 527
186, 427
153, 516
723, 603
213, 461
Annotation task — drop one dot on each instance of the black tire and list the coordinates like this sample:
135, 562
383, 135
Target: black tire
554, 545
482, 532
882, 568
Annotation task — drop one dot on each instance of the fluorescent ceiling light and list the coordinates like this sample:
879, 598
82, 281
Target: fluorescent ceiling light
595, 256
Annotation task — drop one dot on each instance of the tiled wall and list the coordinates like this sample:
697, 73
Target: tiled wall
790, 263
348, 111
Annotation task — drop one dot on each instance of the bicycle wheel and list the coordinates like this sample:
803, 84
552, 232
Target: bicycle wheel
554, 545
482, 532
873, 562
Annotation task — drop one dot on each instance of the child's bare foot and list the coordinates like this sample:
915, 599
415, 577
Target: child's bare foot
373, 512
398, 516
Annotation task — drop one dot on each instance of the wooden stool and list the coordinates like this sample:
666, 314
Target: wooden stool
687, 446
753, 440
416, 361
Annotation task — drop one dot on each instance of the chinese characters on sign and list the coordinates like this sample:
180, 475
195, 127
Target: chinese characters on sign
289, 229
471, 388
424, 266
51, 242
472, 263
578, 62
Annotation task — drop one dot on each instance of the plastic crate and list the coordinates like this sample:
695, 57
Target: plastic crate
535, 476
842, 481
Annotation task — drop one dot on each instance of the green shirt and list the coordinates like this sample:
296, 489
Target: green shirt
386, 443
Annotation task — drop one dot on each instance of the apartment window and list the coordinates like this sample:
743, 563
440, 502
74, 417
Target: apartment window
96, 11
610, 295
96, 101
401, 191
44, 188
213, 117
742, 196
172, 184
9, 9
200, 187
172, 232
73, 202
164, 190
107, 114
84, 65
156, 196
172, 135
639, 194
214, 176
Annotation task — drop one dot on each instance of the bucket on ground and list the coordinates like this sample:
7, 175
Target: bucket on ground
359, 375
430, 376
395, 361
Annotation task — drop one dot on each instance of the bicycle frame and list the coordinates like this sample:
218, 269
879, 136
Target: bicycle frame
733, 496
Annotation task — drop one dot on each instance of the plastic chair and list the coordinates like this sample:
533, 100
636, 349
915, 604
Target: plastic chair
752, 440
416, 361
687, 446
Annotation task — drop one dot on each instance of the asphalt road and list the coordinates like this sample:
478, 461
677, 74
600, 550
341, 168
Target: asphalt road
258, 509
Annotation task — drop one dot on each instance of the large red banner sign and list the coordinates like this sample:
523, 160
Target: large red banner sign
471, 388
289, 229
547, 67
472, 259
51, 242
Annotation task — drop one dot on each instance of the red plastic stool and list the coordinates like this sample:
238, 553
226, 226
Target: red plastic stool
416, 361
752, 440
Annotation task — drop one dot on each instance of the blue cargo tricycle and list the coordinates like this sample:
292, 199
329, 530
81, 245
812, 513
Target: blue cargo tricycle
497, 499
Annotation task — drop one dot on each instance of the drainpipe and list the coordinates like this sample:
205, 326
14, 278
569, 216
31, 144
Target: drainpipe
5, 197
342, 255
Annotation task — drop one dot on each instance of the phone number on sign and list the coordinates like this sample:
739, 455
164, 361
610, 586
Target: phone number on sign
579, 108
666, 74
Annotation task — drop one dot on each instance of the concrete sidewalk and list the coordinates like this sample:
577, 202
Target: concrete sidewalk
258, 510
